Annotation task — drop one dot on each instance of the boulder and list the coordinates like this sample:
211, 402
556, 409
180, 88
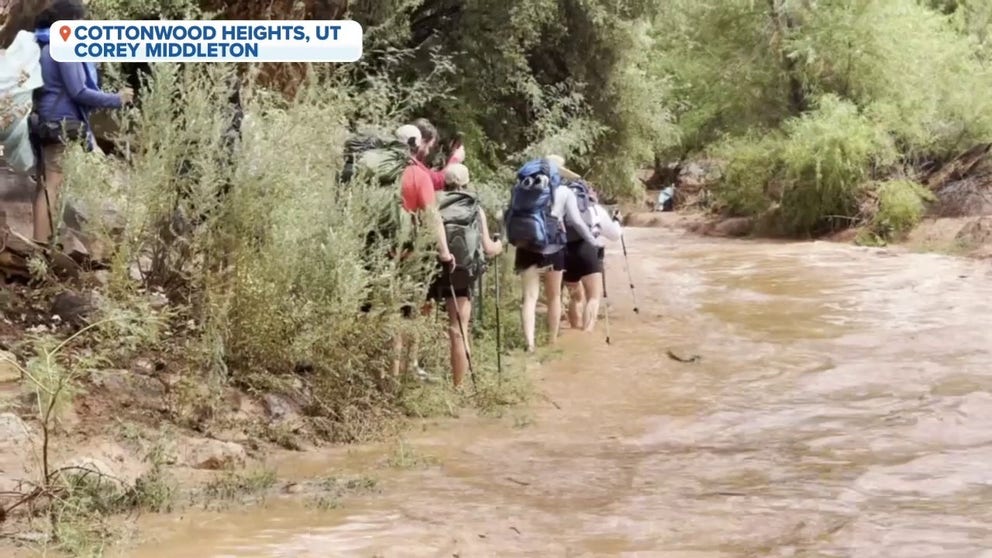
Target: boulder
16, 457
13, 432
971, 196
131, 389
976, 234
9, 372
283, 411
73, 307
733, 227
205, 453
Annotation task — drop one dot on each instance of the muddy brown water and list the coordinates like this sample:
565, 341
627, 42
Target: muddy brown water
842, 407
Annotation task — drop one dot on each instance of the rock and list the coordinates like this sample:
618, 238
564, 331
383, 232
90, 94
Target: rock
698, 174
13, 432
102, 277
9, 372
143, 366
73, 307
104, 457
158, 300
280, 407
971, 196
733, 227
129, 388
204, 453
284, 412
976, 234
16, 453
91, 468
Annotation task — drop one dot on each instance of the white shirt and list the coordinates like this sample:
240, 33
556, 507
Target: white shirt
607, 227
565, 208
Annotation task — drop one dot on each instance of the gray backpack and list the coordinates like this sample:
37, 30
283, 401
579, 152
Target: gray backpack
460, 213
584, 200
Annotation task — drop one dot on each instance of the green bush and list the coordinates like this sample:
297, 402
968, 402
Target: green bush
262, 252
901, 205
752, 164
828, 156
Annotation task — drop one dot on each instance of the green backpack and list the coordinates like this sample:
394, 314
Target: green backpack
460, 213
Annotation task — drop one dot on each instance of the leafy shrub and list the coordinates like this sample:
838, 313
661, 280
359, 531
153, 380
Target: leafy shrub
901, 205
753, 163
260, 249
828, 155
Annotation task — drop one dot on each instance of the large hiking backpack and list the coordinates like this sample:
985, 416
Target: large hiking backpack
20, 78
529, 223
460, 214
374, 156
584, 200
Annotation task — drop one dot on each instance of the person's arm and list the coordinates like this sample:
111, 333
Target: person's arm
491, 247
74, 80
437, 176
574, 217
610, 228
437, 179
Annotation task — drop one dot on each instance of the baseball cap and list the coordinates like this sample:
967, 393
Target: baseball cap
456, 175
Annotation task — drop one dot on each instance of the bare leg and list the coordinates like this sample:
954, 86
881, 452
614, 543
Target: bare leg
552, 287
593, 286
576, 304
460, 349
397, 354
531, 280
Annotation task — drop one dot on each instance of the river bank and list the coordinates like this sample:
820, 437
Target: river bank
826, 409
117, 425
957, 236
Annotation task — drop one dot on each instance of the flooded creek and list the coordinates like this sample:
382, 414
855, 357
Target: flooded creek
842, 406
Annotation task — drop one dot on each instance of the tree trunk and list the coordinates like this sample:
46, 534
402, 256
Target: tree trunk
785, 25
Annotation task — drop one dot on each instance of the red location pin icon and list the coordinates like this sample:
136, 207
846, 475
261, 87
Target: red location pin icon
65, 32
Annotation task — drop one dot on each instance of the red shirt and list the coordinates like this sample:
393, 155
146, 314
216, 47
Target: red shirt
417, 187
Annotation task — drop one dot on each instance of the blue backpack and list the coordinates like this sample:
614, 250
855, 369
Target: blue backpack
528, 220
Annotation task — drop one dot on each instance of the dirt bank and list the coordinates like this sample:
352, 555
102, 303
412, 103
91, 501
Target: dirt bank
959, 236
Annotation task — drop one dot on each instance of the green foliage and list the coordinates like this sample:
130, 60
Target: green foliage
752, 164
901, 205
818, 99
266, 259
827, 157
141, 9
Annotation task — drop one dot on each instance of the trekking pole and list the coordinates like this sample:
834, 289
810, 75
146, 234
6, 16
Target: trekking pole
461, 327
606, 308
626, 265
499, 334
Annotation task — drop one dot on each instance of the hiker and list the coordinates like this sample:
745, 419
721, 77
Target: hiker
429, 134
470, 242
71, 90
419, 200
583, 261
535, 224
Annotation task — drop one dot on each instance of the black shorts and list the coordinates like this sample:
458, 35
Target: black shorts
440, 289
581, 259
406, 310
525, 259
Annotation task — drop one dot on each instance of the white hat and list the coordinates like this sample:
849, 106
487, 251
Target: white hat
408, 132
456, 175
565, 173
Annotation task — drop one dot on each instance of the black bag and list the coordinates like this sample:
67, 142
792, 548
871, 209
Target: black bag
67, 130
64, 131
